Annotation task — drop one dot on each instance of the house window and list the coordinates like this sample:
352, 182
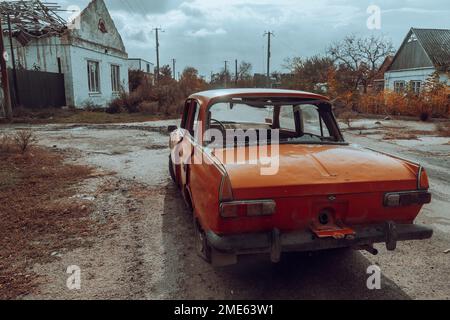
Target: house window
415, 86
399, 86
148, 67
93, 70
115, 78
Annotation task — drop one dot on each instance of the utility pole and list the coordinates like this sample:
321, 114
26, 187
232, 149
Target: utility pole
174, 61
5, 82
13, 60
269, 34
157, 52
235, 73
225, 73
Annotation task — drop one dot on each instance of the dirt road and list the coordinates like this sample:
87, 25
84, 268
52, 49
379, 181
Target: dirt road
147, 253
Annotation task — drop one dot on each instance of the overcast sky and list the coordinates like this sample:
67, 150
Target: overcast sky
204, 33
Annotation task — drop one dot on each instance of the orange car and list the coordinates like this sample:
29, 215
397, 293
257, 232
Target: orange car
268, 171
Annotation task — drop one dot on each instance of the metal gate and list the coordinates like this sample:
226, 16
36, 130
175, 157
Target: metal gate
37, 89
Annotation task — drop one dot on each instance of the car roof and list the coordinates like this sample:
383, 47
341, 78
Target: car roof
206, 96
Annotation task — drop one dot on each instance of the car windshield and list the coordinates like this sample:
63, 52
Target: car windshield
295, 123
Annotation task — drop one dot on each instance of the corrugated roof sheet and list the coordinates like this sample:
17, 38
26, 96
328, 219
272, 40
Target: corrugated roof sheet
436, 42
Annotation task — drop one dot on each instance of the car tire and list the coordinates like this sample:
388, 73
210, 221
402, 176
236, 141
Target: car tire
201, 243
171, 171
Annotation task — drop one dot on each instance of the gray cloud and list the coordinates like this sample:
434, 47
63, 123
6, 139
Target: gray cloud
204, 33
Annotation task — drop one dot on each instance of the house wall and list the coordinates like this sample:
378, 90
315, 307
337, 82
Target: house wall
410, 75
75, 48
103, 44
80, 57
42, 55
139, 64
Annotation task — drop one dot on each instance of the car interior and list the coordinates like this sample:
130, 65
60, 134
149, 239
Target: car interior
265, 120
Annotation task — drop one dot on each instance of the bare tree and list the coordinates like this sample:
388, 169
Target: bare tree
245, 69
362, 56
307, 73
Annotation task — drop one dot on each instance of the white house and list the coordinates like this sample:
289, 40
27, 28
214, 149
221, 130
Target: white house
141, 65
422, 53
91, 56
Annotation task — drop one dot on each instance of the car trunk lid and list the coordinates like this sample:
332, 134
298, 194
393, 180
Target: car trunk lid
308, 170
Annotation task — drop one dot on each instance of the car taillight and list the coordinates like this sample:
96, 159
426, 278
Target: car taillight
247, 208
423, 180
403, 199
225, 191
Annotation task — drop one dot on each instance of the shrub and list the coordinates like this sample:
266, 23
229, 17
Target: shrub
24, 139
425, 105
148, 107
135, 79
115, 106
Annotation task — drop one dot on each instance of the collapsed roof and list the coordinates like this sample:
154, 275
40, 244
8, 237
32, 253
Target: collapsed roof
32, 19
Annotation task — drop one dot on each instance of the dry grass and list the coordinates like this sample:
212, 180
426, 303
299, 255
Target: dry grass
37, 216
424, 106
54, 115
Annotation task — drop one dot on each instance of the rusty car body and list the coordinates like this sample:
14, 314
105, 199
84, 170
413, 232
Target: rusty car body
325, 193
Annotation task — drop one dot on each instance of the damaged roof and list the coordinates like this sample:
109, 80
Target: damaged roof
32, 19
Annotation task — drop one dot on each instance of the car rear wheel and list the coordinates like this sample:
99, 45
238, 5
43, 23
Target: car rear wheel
201, 243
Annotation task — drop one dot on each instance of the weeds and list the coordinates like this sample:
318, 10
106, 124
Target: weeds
24, 140
19, 142
424, 106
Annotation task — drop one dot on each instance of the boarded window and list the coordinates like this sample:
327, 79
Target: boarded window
115, 78
93, 76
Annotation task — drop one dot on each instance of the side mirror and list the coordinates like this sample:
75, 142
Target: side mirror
171, 129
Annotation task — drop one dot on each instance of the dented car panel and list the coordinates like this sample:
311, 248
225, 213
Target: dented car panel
323, 194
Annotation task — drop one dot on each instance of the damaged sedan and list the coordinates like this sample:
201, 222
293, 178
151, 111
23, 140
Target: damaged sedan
268, 171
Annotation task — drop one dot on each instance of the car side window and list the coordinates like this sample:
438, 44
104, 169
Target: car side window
192, 115
196, 121
287, 119
185, 116
313, 122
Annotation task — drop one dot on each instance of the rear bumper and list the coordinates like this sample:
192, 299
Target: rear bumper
275, 242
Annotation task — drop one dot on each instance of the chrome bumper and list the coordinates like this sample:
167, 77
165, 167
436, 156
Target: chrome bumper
275, 242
